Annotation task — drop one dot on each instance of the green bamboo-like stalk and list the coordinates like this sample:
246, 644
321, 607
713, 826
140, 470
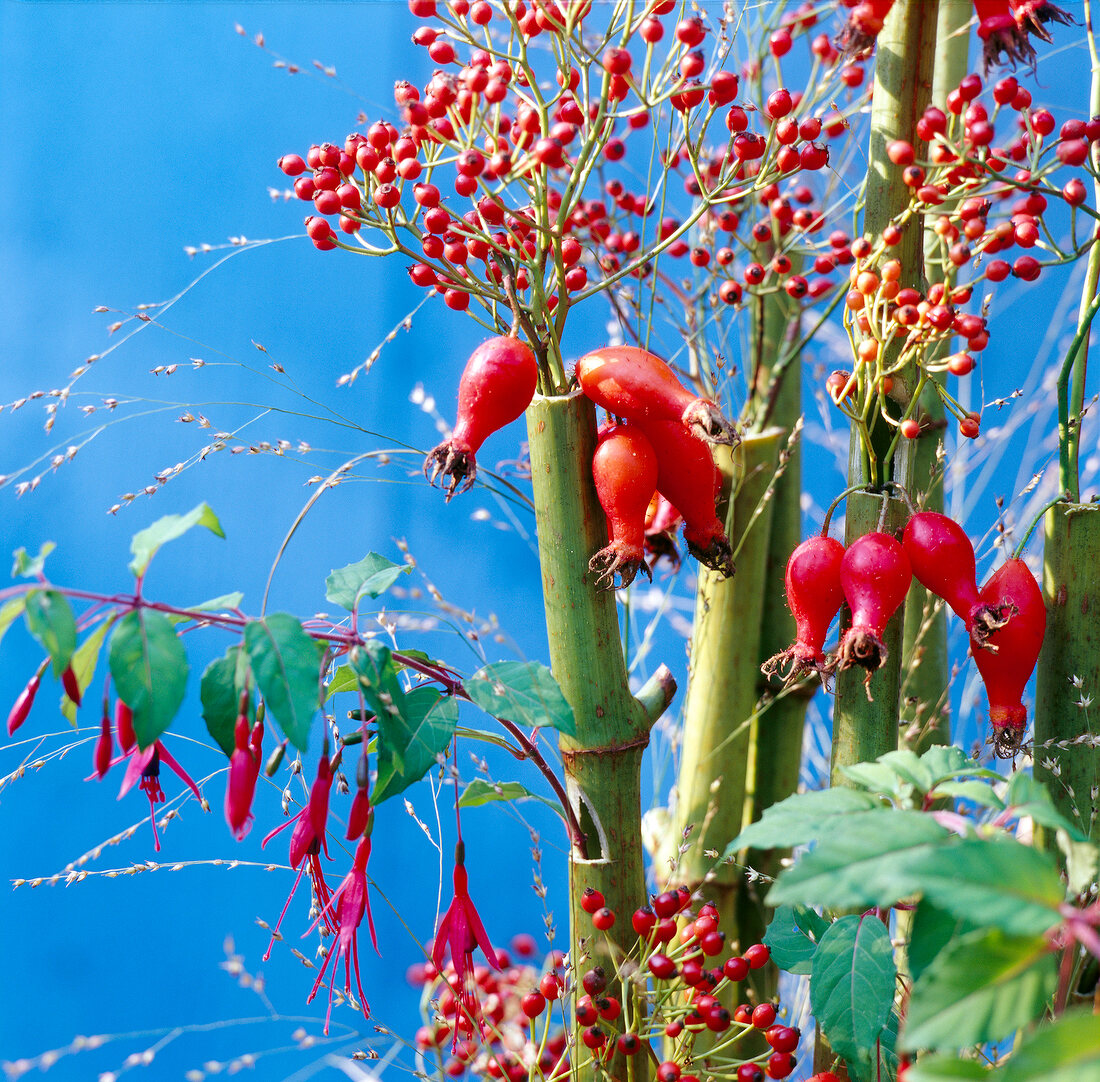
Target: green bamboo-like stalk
721, 697
865, 718
603, 761
925, 701
1067, 735
903, 79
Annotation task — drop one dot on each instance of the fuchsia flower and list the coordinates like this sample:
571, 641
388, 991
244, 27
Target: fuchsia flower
461, 931
305, 846
352, 902
244, 769
146, 766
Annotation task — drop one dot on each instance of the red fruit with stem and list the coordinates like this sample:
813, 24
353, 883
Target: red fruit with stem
688, 479
814, 594
624, 468
875, 575
637, 385
497, 385
1012, 650
942, 559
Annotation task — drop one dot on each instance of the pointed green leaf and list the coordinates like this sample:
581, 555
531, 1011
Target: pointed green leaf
946, 761
372, 576
149, 669
286, 664
30, 567
523, 692
977, 792
875, 777
907, 765
1082, 863
1067, 1050
947, 1069
868, 862
852, 984
932, 929
145, 542
980, 988
422, 731
224, 603
480, 792
10, 611
1012, 886
343, 679
1027, 796
377, 674
792, 937
84, 661
50, 620
801, 818
223, 682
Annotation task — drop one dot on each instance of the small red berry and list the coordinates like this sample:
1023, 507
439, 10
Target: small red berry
591, 900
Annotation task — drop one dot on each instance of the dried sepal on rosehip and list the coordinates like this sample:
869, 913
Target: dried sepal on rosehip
624, 469
875, 575
661, 522
637, 385
814, 594
497, 385
863, 27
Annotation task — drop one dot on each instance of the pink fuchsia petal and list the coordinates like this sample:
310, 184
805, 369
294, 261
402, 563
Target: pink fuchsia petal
139, 760
239, 790
318, 800
170, 762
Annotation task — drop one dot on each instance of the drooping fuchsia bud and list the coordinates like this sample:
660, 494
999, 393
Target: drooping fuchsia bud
124, 726
360, 815
104, 746
71, 685
318, 798
244, 768
23, 704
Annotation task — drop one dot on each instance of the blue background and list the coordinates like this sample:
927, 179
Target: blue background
132, 131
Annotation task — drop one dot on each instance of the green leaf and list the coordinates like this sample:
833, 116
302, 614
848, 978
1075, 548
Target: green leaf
145, 543
374, 665
946, 761
1067, 1050
980, 988
868, 862
523, 692
223, 682
343, 679
933, 928
1029, 797
84, 661
286, 664
370, 577
30, 567
221, 604
792, 937
149, 668
421, 731
1082, 863
978, 792
480, 792
875, 777
801, 818
1012, 886
10, 611
947, 1069
907, 765
852, 984
50, 620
